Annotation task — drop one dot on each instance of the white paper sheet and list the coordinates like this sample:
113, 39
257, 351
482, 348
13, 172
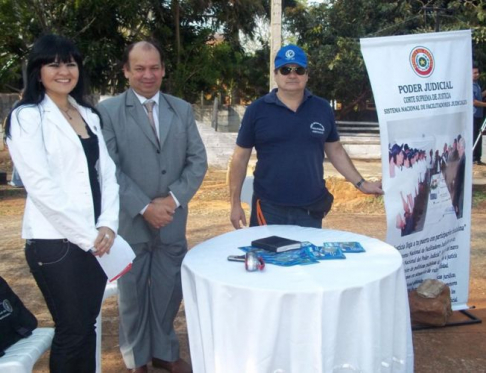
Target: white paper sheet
118, 261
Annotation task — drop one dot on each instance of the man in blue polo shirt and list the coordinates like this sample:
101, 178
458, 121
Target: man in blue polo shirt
290, 129
478, 108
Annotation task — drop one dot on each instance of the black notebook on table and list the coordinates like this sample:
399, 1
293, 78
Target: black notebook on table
276, 244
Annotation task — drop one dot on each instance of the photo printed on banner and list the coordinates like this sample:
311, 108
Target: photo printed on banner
426, 169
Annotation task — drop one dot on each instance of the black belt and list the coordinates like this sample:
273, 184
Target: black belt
48, 241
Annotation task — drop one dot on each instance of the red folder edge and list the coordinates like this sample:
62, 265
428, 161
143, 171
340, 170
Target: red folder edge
127, 268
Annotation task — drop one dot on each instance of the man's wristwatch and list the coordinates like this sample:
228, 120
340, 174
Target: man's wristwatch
359, 183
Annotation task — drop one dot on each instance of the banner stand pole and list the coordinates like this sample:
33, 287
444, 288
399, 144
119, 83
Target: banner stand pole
472, 320
483, 127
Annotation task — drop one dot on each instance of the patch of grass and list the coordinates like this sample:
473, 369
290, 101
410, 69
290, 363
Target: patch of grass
8, 192
478, 197
377, 201
366, 205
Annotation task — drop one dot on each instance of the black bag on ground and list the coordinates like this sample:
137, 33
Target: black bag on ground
16, 321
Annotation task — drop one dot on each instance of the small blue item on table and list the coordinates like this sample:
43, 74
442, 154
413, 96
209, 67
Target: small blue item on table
325, 253
307, 254
346, 247
287, 258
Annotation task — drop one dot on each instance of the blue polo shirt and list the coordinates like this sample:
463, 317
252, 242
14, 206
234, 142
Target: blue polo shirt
477, 95
289, 147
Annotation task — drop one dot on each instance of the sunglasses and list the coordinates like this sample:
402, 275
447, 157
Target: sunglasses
286, 70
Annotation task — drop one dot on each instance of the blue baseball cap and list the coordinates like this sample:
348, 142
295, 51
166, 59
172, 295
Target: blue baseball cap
290, 54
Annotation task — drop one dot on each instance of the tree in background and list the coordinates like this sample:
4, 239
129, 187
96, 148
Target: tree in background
242, 76
198, 61
186, 30
330, 34
100, 32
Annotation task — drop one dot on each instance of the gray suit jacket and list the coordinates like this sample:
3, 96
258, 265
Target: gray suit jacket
146, 169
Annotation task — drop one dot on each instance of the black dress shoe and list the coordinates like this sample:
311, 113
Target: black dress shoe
479, 163
178, 366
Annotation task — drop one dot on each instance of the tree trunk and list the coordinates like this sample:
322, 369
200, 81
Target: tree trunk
177, 15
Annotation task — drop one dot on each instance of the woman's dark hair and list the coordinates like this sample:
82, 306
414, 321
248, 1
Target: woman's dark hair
47, 49
394, 151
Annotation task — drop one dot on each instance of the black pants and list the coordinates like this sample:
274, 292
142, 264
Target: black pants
478, 150
72, 283
283, 215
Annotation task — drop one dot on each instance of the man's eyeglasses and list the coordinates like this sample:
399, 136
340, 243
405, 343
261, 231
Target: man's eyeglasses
286, 70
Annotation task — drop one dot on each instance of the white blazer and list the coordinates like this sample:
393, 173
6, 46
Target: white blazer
51, 161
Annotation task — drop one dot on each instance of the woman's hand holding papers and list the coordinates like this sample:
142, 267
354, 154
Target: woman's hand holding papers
104, 241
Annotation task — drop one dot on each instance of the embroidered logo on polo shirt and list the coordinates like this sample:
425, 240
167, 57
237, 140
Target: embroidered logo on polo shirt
7, 309
317, 128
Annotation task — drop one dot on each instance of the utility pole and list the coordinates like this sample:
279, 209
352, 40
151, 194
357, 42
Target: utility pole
275, 36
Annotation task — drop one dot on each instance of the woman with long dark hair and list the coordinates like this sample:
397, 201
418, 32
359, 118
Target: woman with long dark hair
71, 213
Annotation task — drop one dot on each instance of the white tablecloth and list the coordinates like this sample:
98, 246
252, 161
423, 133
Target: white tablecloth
347, 315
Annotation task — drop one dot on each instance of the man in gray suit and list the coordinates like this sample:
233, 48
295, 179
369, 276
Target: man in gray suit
161, 162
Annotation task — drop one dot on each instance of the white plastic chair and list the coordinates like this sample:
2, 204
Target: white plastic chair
247, 191
21, 357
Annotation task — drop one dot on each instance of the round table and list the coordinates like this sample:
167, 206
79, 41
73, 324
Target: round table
348, 315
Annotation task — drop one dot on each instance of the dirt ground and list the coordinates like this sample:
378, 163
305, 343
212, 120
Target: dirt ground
452, 349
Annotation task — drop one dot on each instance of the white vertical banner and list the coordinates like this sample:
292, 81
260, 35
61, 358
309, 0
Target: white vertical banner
422, 86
